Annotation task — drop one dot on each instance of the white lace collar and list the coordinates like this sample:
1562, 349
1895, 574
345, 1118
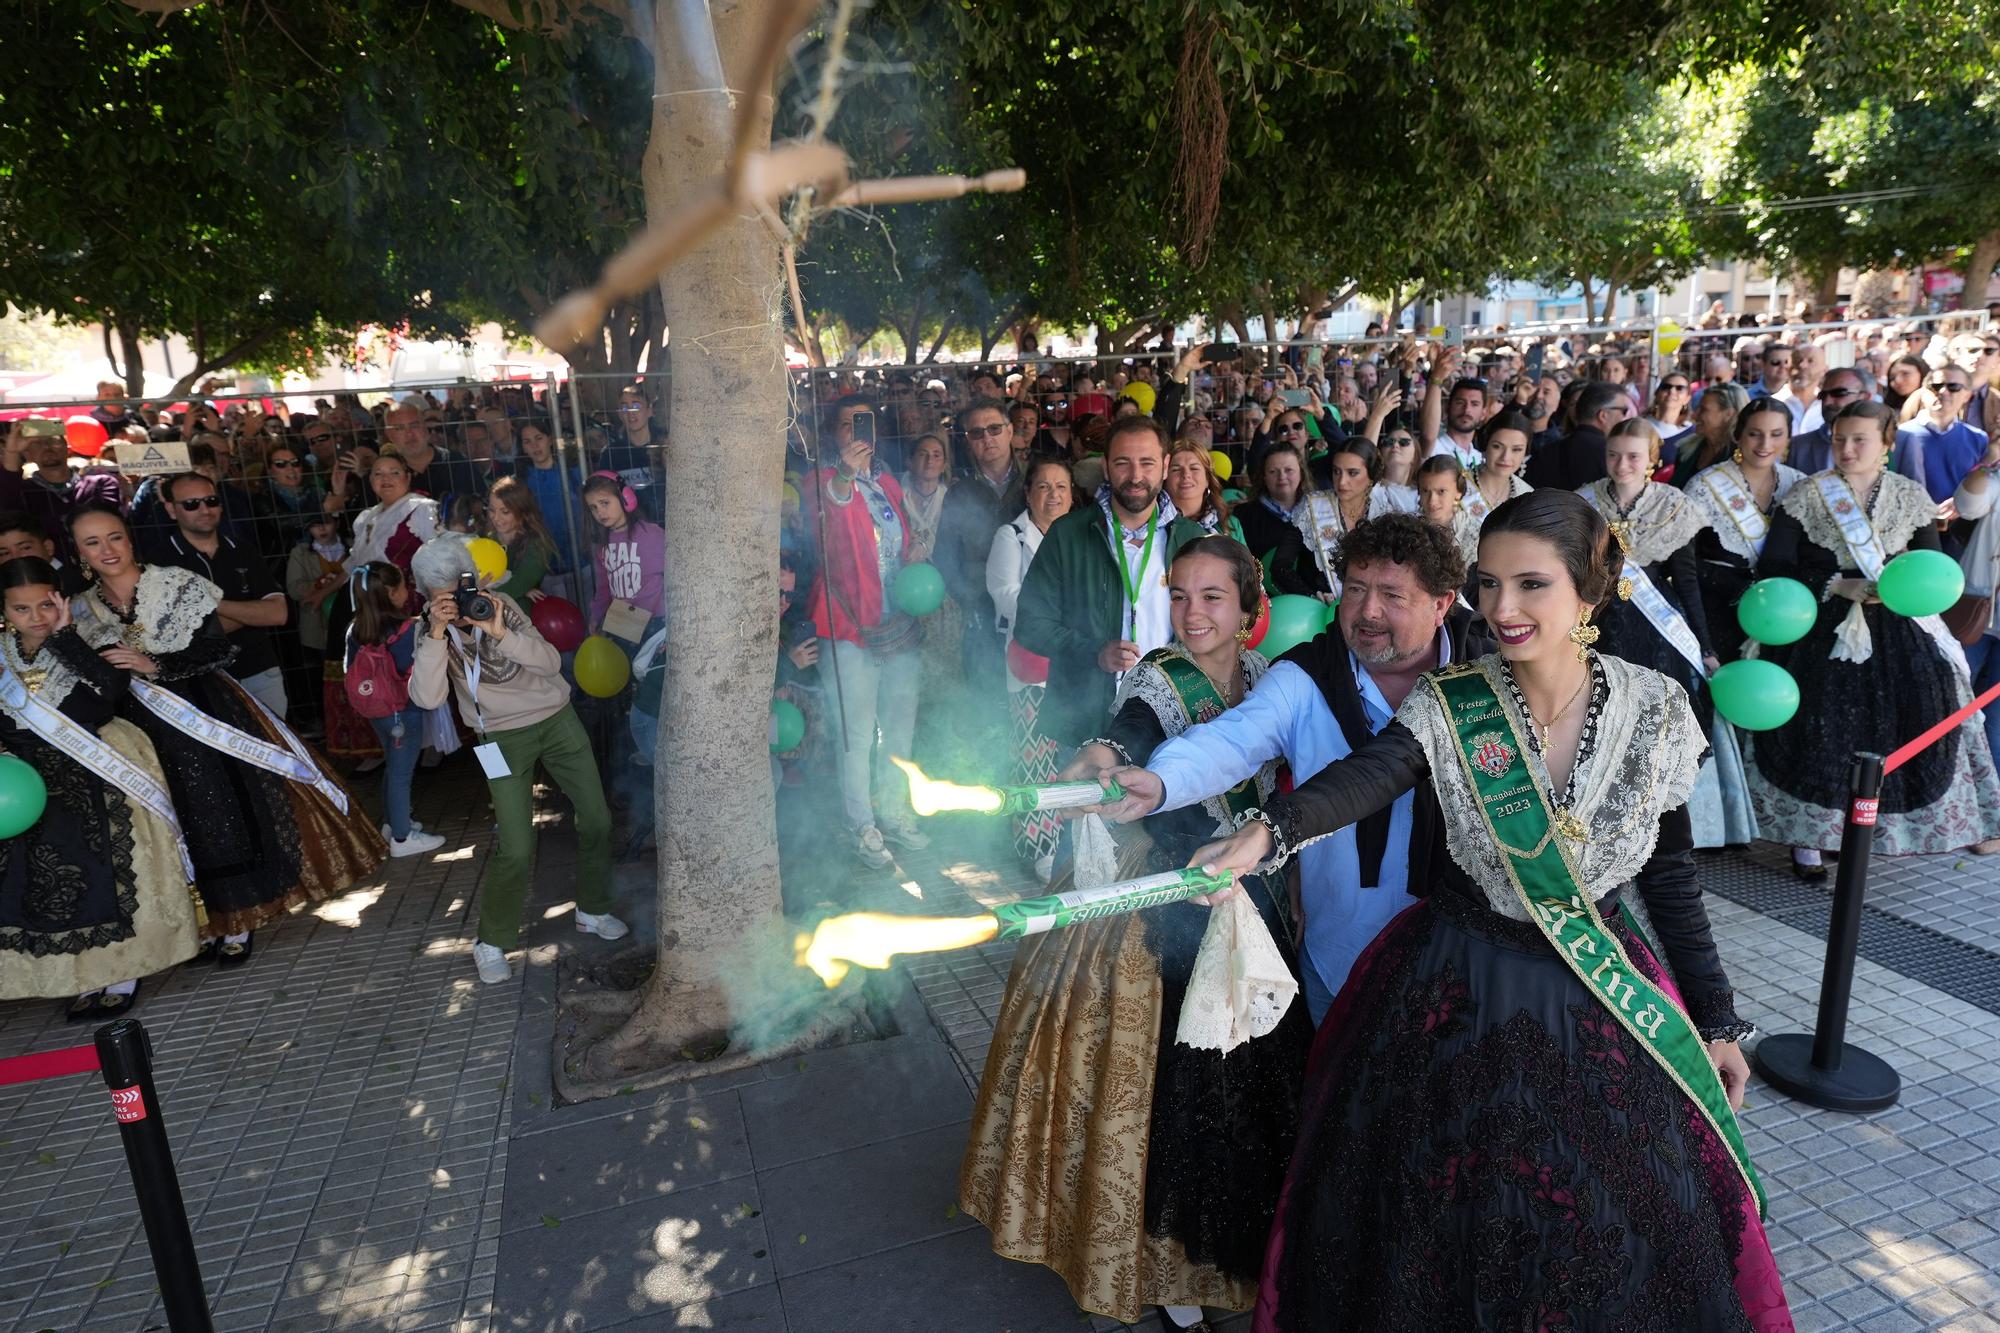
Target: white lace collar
1902, 509
1662, 520
1647, 750
46, 675
1718, 517
1149, 683
169, 609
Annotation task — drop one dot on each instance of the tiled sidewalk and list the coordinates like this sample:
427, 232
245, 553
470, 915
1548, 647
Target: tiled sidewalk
347, 1110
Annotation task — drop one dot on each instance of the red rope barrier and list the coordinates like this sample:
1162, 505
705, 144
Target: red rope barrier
48, 1064
1905, 753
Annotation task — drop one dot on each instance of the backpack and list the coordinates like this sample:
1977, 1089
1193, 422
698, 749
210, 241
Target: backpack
375, 686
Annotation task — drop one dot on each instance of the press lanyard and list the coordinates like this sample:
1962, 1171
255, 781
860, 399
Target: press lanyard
473, 667
1132, 580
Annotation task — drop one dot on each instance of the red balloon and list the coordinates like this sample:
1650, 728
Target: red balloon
86, 436
559, 621
1026, 666
1262, 624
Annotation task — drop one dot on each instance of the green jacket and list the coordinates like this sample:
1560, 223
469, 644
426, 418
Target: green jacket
1071, 605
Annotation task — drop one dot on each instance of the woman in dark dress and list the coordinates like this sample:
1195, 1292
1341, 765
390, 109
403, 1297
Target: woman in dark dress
1871, 679
1515, 1117
1738, 498
1280, 484
1143, 1171
95, 895
268, 825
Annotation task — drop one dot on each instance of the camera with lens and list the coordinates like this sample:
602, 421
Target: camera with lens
472, 603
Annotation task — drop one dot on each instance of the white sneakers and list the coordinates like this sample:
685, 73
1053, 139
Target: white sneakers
491, 960
605, 927
905, 833
415, 827
416, 844
868, 846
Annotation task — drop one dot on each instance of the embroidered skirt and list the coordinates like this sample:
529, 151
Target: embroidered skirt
94, 892
1037, 832
1484, 1147
1143, 1172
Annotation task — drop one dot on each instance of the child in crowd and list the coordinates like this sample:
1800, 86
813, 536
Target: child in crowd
23, 535
630, 603
381, 648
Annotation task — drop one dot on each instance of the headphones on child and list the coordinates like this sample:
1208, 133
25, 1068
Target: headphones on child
626, 495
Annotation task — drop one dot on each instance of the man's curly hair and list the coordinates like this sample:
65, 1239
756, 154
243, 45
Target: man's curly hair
1430, 551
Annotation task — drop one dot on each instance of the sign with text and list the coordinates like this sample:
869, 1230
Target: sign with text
155, 458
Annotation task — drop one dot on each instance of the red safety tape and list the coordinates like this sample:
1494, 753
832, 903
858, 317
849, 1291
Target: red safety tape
1904, 754
48, 1064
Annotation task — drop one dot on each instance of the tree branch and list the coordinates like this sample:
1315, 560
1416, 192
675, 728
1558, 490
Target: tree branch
242, 347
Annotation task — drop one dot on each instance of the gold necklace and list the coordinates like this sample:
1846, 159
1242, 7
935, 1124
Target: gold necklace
1221, 686
31, 676
1549, 726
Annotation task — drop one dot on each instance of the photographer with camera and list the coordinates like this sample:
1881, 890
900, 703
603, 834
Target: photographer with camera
481, 649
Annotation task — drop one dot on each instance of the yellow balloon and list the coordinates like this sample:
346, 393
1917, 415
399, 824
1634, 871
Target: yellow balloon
1220, 461
489, 556
790, 496
601, 667
1669, 336
1139, 392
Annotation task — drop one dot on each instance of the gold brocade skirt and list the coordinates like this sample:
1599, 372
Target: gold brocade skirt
163, 913
1055, 1165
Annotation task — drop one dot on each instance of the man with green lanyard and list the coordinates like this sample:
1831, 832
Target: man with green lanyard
1095, 599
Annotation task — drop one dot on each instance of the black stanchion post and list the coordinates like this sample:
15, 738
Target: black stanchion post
1821, 1069
127, 1057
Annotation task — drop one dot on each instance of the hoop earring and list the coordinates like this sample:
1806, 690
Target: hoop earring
1584, 635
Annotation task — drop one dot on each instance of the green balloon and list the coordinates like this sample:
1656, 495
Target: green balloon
1332, 612
1920, 583
788, 726
919, 589
1294, 619
1777, 611
1755, 695
22, 796
1234, 497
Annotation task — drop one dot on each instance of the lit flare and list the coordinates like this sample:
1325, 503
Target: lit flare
871, 939
930, 796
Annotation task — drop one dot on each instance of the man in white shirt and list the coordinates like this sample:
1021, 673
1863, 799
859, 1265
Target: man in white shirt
1800, 393
1459, 414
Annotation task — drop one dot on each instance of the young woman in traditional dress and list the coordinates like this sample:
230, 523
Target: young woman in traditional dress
1324, 518
1503, 445
1141, 1170
269, 825
1737, 498
1516, 1117
97, 894
1871, 679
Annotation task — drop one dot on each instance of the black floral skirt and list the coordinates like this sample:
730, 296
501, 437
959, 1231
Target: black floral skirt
1483, 1146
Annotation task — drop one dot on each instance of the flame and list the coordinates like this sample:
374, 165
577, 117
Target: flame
871, 939
929, 796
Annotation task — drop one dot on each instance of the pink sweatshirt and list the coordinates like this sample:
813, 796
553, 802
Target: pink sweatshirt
632, 565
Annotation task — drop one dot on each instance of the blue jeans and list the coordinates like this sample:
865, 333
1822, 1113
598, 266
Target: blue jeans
1984, 659
402, 757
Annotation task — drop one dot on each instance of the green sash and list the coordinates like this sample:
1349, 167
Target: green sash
1198, 696
1518, 815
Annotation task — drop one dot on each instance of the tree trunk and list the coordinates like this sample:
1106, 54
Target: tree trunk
1979, 270
713, 804
135, 358
1589, 300
946, 326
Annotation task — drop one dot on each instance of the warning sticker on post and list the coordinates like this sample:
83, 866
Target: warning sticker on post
151, 459
1864, 810
128, 1105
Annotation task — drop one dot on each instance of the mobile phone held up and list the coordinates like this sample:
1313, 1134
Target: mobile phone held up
1218, 353
41, 428
864, 427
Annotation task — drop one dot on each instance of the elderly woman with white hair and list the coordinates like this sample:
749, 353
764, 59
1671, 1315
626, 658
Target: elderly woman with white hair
508, 683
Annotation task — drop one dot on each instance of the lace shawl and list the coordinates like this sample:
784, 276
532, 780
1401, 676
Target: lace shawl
1147, 682
1720, 520
1465, 531
1903, 508
1663, 519
1647, 752
169, 610
55, 680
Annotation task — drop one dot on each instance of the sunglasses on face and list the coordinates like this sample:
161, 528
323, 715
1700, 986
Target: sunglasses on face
1946, 386
1399, 441
284, 462
992, 432
1291, 427
202, 502
1675, 388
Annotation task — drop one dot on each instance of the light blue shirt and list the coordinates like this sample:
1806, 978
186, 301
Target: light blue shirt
1287, 716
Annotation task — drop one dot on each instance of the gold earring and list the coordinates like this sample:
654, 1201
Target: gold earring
1243, 635
1584, 635
1736, 457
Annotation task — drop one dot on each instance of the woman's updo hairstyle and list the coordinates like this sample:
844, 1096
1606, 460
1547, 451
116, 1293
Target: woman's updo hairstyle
1505, 420
1358, 446
1582, 539
1440, 464
1639, 428
1868, 409
1759, 407
29, 571
1243, 566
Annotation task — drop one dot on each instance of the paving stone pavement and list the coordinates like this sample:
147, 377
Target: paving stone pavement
366, 1139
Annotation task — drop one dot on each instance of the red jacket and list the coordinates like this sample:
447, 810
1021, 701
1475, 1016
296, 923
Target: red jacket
851, 568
